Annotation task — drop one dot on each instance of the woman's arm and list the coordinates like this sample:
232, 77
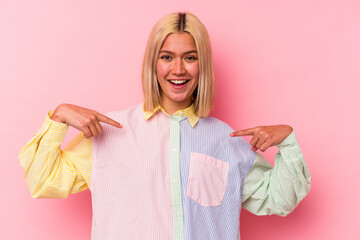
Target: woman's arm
54, 173
51, 172
279, 189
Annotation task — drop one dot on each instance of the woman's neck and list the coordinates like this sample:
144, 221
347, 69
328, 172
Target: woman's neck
172, 107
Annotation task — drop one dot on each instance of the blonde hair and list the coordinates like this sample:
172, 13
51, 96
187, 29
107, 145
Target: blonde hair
203, 96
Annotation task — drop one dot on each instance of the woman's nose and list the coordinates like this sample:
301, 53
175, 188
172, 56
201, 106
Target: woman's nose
178, 67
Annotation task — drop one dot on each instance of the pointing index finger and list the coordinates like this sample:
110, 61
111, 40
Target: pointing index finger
244, 132
105, 119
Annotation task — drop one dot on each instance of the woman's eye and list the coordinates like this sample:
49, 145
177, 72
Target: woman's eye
165, 57
191, 58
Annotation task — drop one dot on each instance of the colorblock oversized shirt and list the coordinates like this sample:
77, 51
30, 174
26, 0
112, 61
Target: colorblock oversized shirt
165, 176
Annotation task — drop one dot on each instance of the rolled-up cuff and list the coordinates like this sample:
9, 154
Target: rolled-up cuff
290, 145
53, 131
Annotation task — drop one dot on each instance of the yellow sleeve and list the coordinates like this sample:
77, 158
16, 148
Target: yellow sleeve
51, 172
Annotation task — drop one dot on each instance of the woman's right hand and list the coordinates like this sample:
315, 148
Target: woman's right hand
83, 119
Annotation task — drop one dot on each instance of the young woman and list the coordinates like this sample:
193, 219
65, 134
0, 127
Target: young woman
164, 169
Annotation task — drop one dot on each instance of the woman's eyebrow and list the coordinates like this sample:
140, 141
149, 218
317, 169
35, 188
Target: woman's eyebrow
170, 52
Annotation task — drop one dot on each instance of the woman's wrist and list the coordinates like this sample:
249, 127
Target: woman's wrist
57, 116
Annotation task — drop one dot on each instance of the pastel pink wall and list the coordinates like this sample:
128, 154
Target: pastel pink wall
294, 62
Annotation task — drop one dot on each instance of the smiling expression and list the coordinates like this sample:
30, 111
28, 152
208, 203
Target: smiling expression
177, 71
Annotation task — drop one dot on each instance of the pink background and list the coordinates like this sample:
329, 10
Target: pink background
294, 62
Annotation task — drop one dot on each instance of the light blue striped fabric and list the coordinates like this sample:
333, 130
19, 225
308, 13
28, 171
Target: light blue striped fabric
211, 137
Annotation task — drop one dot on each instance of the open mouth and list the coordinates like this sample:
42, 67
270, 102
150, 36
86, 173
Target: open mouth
178, 82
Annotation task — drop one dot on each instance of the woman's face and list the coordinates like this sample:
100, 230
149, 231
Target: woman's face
178, 70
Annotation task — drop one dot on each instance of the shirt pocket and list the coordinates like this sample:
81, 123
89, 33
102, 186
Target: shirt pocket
207, 179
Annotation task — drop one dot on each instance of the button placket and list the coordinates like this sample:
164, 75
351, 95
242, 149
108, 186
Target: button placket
175, 176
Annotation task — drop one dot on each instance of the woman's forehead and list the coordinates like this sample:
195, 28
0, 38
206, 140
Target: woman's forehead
179, 42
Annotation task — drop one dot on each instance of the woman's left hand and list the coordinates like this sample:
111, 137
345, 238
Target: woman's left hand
265, 136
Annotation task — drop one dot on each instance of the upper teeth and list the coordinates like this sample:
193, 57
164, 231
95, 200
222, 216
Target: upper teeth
177, 81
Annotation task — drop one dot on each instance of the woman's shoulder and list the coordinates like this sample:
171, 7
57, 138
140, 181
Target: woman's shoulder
214, 122
131, 111
214, 127
220, 131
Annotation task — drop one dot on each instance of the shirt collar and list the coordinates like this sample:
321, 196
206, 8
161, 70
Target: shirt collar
187, 112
